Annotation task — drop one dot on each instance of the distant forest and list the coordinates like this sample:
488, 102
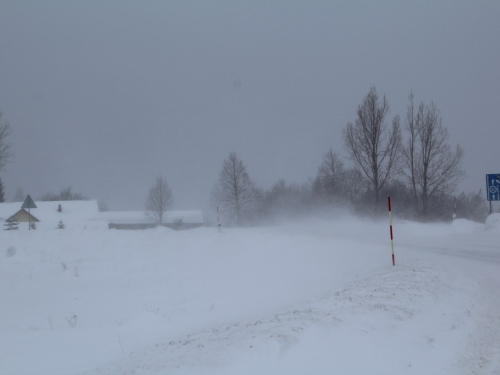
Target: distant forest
419, 171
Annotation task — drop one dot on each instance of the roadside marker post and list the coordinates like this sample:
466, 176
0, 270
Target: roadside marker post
454, 208
390, 226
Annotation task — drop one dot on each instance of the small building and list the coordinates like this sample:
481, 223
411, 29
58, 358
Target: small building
134, 220
23, 216
74, 214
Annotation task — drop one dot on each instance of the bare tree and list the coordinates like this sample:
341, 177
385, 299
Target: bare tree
102, 206
372, 145
5, 152
2, 196
159, 200
234, 192
330, 175
284, 200
430, 165
353, 187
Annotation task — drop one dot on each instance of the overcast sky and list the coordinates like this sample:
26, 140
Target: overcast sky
105, 95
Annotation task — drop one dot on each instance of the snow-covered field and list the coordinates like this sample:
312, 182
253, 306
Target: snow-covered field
318, 297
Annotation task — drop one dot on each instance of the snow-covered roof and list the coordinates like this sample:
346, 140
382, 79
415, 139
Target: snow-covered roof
137, 217
9, 209
73, 213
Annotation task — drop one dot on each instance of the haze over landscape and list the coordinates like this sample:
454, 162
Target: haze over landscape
104, 96
275, 113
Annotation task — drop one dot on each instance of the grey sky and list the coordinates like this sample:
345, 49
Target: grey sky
104, 96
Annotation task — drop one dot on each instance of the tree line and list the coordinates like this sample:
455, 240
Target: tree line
420, 173
5, 150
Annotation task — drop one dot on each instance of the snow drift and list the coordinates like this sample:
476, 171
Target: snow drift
319, 297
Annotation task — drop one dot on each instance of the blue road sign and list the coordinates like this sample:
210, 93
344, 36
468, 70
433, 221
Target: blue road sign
493, 187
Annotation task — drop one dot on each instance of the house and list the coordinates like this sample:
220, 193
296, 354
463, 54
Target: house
138, 220
74, 214
23, 216
85, 214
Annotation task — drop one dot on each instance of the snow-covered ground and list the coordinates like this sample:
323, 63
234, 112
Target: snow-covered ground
318, 297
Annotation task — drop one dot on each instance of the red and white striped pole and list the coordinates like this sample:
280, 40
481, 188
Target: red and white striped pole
218, 223
454, 208
390, 225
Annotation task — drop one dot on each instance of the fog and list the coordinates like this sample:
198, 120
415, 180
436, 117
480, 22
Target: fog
104, 96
